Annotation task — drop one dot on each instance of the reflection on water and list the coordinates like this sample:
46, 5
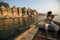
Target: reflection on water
8, 27
21, 21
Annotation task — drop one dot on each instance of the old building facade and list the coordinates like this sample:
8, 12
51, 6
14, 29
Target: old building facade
16, 12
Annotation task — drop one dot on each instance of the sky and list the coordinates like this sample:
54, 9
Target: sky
41, 6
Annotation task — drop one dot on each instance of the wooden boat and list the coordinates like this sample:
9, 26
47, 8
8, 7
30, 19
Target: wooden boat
41, 34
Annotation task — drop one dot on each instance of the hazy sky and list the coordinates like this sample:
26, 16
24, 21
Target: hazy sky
40, 5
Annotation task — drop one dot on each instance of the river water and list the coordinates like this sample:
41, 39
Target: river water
57, 18
11, 27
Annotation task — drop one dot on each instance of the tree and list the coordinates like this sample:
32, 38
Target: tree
4, 4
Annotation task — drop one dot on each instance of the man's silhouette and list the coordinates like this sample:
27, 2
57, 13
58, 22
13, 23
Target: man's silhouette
49, 23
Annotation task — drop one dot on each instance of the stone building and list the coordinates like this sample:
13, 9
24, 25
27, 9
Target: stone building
0, 13
20, 12
34, 12
16, 12
29, 11
9, 12
3, 11
24, 12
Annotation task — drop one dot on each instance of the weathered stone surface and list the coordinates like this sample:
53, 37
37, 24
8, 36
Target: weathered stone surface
16, 12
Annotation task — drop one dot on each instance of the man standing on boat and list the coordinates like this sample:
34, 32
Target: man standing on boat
47, 21
50, 23
53, 25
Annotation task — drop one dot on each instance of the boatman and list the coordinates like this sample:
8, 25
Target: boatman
50, 23
47, 21
53, 25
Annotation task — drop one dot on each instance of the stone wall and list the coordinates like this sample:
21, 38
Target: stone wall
0, 13
20, 12
9, 12
16, 12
